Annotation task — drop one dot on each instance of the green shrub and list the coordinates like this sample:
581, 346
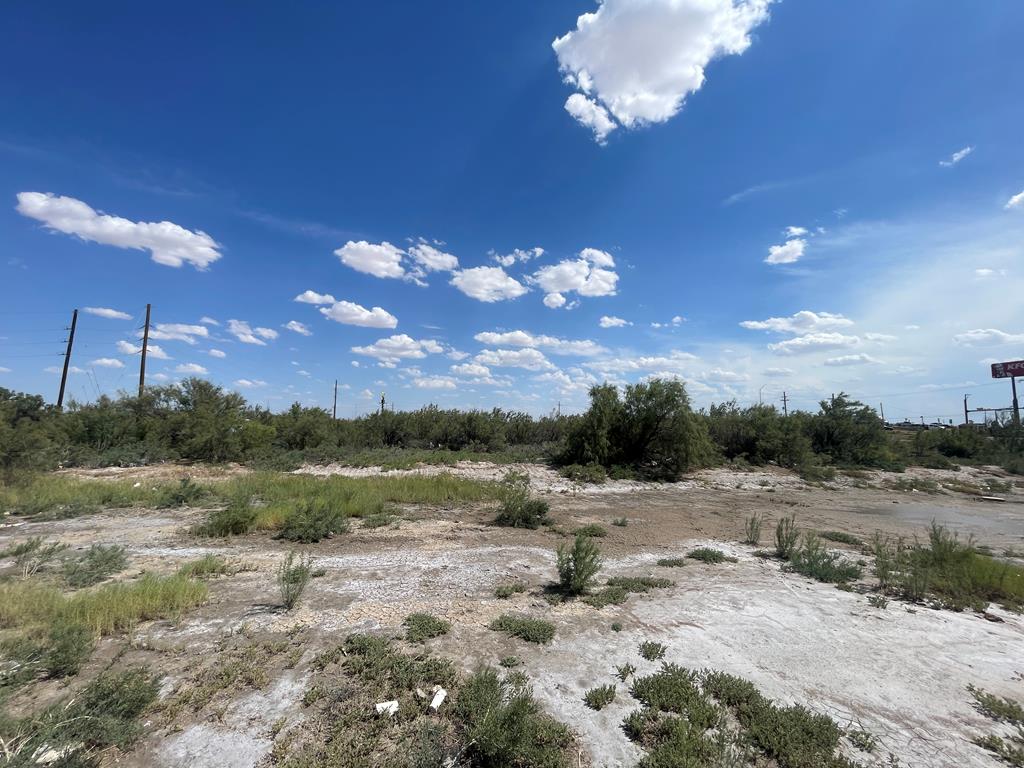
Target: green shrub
506, 590
186, 492
616, 626
786, 537
588, 473
672, 562
600, 697
34, 555
205, 566
531, 630
98, 562
652, 651
69, 647
752, 529
236, 519
518, 510
510, 662
379, 520
608, 596
709, 555
842, 538
639, 583
292, 577
593, 529
578, 565
312, 521
423, 626
625, 671
814, 560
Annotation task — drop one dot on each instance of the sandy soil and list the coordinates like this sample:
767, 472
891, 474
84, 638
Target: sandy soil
900, 673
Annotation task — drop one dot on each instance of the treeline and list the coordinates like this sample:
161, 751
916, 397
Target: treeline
648, 429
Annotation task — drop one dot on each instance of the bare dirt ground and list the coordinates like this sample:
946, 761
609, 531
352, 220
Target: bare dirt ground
899, 673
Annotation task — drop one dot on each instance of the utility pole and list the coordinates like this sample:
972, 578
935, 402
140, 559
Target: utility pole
785, 404
1016, 408
382, 402
759, 391
145, 347
881, 410
967, 419
67, 359
334, 411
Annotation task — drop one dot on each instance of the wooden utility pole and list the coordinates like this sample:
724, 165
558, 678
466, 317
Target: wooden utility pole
1016, 407
145, 347
967, 419
785, 404
382, 402
67, 359
334, 411
881, 410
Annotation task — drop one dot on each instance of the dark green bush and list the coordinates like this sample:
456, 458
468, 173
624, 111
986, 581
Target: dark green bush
525, 628
98, 562
313, 520
578, 565
518, 510
424, 626
814, 560
236, 519
710, 555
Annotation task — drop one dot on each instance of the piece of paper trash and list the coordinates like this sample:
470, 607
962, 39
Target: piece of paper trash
439, 696
136, 485
387, 708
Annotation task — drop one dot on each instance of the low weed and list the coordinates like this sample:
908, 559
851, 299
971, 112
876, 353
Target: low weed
312, 521
578, 565
592, 529
620, 522
672, 562
34, 555
709, 555
1011, 748
625, 671
185, 493
862, 740
98, 562
616, 626
205, 567
237, 519
814, 560
518, 509
509, 588
379, 520
293, 575
420, 627
652, 651
786, 537
525, 628
600, 697
752, 529
607, 596
639, 583
510, 662
878, 601
584, 473
841, 538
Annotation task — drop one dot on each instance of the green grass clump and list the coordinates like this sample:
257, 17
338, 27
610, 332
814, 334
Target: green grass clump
842, 538
237, 519
710, 555
423, 626
584, 473
104, 609
613, 595
34, 555
206, 566
509, 588
625, 671
672, 562
56, 651
578, 565
293, 575
814, 560
518, 510
752, 529
185, 493
786, 537
58, 497
379, 520
525, 628
592, 529
98, 562
620, 522
616, 626
652, 651
600, 697
639, 583
311, 521
510, 662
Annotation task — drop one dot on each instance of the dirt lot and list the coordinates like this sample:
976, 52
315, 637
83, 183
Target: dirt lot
899, 673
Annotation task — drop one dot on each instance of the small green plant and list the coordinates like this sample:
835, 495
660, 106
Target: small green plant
518, 510
652, 651
607, 596
752, 529
625, 671
862, 740
205, 567
509, 588
878, 601
511, 662
423, 626
592, 529
616, 626
584, 473
813, 559
600, 697
292, 577
1010, 749
786, 537
184, 493
236, 519
578, 565
379, 520
841, 538
672, 562
34, 555
98, 562
530, 630
620, 522
313, 520
639, 583
709, 555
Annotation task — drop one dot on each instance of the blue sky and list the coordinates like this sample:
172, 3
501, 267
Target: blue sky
757, 197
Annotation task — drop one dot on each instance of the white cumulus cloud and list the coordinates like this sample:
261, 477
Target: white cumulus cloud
528, 358
956, 157
395, 348
789, 252
803, 321
610, 321
488, 284
242, 331
190, 368
167, 243
583, 347
107, 362
432, 259
814, 342
178, 332
377, 259
110, 314
348, 313
852, 360
217, 353
435, 382
152, 350
984, 337
635, 63
312, 297
518, 255
249, 383
1017, 201
592, 274
297, 327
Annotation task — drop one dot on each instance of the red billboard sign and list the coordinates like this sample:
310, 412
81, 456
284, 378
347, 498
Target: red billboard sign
1006, 370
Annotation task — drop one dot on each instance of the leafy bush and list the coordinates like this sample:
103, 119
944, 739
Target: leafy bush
600, 697
620, 522
186, 492
292, 577
592, 529
842, 538
608, 596
312, 521
588, 473
236, 519
98, 562
652, 651
710, 555
814, 560
33, 555
578, 565
758, 435
672, 562
506, 590
423, 626
786, 537
639, 583
205, 566
531, 630
518, 510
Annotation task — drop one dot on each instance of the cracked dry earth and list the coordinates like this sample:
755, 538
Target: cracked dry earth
899, 673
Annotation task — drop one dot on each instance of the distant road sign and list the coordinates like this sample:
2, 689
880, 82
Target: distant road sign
1006, 370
